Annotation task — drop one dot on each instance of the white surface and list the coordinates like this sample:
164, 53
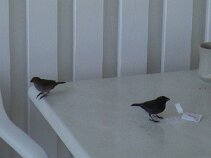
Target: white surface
133, 35
17, 139
177, 30
95, 120
88, 39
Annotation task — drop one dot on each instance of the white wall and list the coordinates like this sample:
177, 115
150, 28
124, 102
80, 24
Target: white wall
79, 39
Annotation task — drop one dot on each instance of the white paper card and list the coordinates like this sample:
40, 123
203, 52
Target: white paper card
191, 117
179, 108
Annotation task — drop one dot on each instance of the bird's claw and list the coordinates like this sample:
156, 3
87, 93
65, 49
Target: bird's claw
154, 120
160, 117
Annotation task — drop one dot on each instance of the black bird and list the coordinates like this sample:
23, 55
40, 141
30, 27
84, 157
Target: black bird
44, 86
154, 107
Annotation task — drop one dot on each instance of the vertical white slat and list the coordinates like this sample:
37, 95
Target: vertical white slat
163, 51
133, 36
154, 36
42, 62
198, 30
110, 38
42, 38
176, 38
17, 13
119, 47
88, 39
17, 20
65, 40
5, 66
208, 21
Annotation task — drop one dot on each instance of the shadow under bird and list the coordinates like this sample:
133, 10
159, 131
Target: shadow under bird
154, 107
44, 85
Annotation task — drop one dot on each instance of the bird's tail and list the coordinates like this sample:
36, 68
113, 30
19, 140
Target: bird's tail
136, 104
60, 83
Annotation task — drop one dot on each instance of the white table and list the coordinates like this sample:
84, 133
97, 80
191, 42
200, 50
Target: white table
94, 118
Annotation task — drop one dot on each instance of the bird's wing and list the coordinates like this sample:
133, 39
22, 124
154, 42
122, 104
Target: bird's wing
45, 82
149, 105
153, 107
45, 85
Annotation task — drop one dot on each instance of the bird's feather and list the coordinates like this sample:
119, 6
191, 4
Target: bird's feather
155, 106
44, 85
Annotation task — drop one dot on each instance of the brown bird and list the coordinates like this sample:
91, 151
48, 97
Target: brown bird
44, 85
154, 107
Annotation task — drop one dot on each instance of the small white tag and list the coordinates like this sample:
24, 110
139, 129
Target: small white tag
187, 116
179, 108
191, 117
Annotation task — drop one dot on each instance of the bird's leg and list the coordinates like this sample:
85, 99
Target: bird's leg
39, 94
160, 117
44, 95
152, 118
